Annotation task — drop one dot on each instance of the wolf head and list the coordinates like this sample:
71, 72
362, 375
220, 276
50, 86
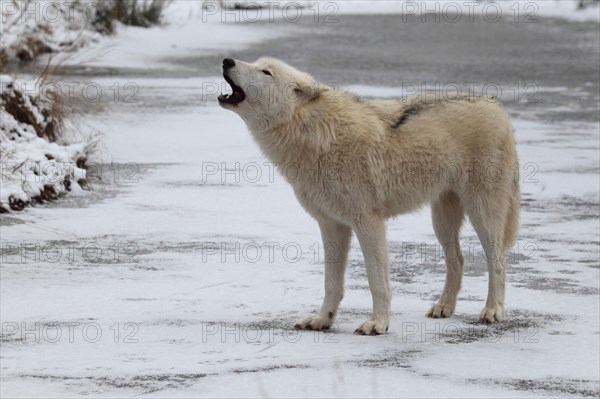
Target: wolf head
267, 92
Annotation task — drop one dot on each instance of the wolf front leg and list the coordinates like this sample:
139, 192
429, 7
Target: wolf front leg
371, 236
336, 244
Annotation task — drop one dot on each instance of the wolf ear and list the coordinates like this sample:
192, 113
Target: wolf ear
310, 92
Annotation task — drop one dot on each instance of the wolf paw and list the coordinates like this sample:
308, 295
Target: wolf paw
316, 323
371, 327
440, 310
491, 314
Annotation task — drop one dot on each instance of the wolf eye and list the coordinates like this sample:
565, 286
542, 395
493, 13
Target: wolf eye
266, 72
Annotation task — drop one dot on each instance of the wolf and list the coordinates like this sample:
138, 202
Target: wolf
358, 162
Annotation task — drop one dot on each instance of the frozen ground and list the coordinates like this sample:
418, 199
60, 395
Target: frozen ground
183, 272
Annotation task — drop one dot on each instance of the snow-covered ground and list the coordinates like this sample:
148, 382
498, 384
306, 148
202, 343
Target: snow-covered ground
43, 24
548, 8
34, 168
182, 274
130, 48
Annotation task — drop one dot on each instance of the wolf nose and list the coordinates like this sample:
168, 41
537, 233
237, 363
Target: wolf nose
228, 63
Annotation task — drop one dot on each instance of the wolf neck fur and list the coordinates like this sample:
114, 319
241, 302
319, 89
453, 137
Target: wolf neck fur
303, 138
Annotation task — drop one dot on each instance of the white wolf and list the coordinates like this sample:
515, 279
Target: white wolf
358, 162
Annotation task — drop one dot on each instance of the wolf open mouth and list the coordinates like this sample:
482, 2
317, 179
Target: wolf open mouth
236, 97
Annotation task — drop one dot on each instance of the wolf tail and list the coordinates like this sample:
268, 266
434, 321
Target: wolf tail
511, 225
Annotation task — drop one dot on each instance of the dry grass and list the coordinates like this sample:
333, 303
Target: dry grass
143, 13
21, 107
46, 117
31, 44
31, 47
581, 4
3, 59
43, 37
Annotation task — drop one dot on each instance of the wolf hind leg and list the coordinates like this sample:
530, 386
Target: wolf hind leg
448, 216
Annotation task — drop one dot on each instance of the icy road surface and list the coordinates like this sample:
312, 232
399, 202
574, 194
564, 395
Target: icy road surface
184, 270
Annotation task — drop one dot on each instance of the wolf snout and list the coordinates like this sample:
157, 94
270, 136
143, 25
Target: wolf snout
228, 63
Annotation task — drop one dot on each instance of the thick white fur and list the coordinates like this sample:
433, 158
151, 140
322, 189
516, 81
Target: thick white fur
358, 162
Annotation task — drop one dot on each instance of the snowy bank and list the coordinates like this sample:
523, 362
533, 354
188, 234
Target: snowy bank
31, 28
35, 167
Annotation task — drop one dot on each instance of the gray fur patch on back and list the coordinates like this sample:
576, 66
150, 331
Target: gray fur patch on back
420, 106
408, 112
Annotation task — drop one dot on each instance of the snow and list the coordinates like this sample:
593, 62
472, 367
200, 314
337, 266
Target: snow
159, 259
59, 26
129, 48
566, 9
31, 164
